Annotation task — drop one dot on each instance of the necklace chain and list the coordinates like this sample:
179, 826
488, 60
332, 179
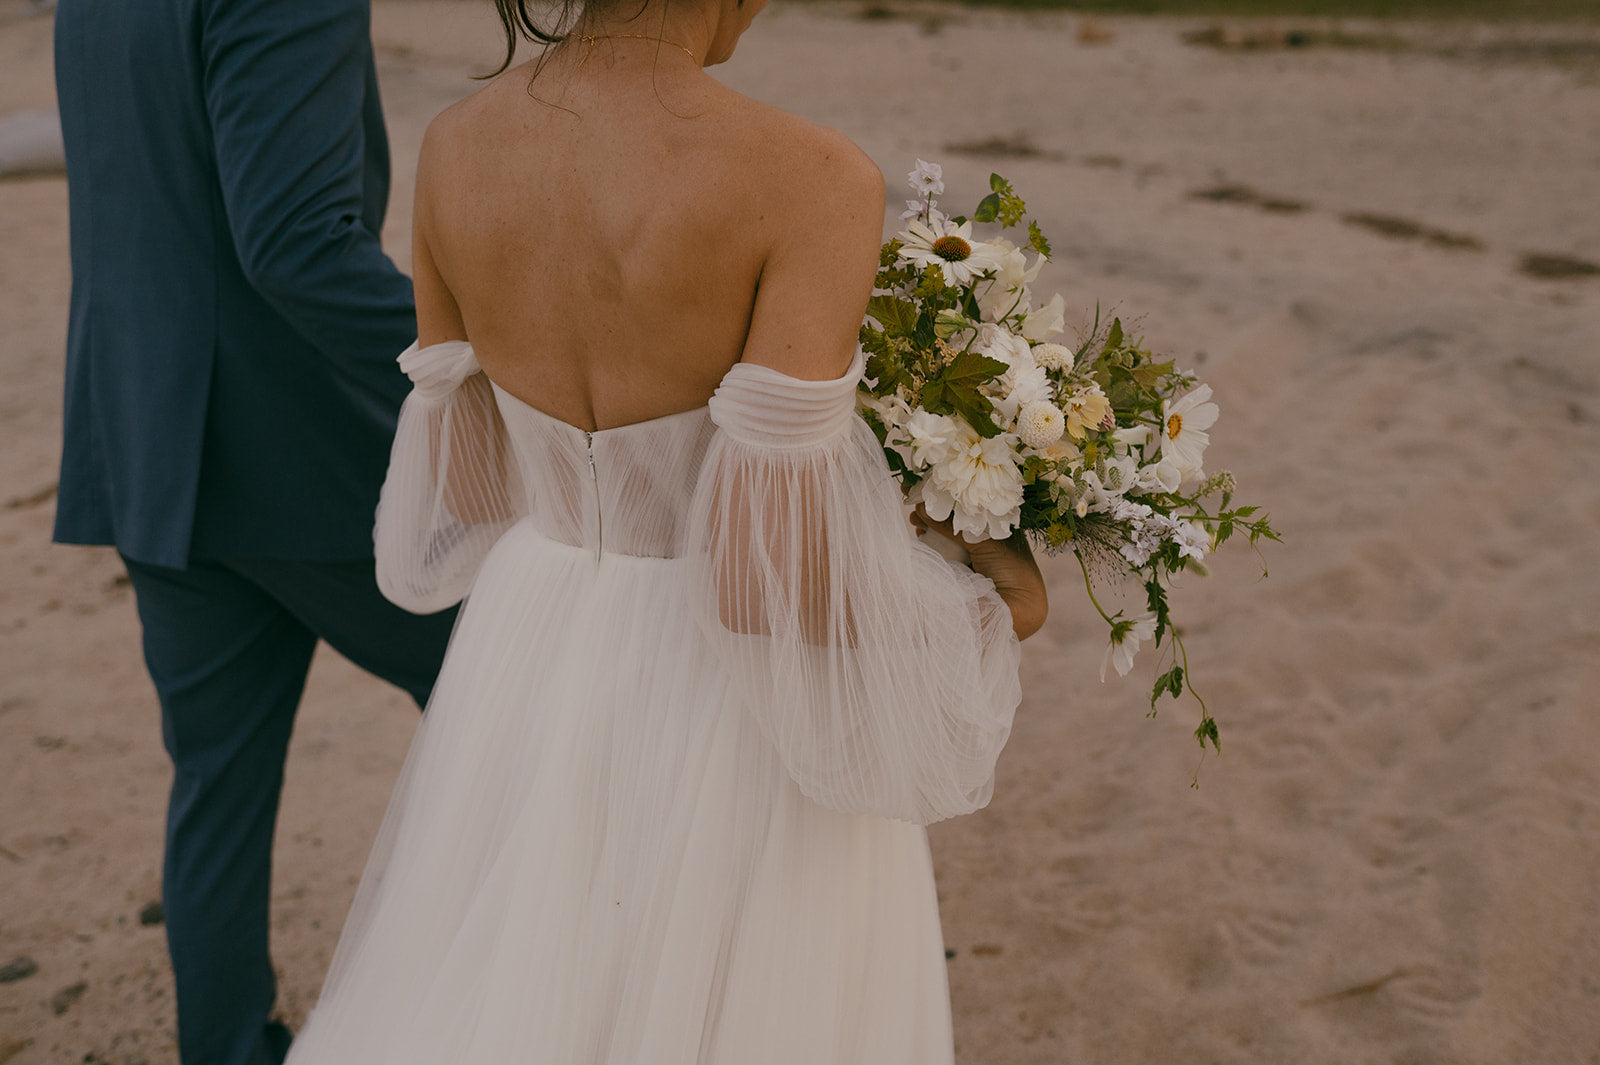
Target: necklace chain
590, 39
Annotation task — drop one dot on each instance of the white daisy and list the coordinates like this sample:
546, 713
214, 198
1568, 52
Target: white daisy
949, 247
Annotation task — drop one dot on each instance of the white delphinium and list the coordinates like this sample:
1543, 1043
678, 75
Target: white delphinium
1040, 424
1127, 635
1193, 541
1053, 356
927, 181
978, 484
1184, 422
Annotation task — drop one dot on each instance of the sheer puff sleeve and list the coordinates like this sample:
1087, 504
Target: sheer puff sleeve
452, 487
885, 676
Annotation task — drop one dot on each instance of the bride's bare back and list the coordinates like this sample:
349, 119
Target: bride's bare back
615, 232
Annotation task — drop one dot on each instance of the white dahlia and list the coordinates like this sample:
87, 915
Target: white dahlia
1040, 424
1053, 356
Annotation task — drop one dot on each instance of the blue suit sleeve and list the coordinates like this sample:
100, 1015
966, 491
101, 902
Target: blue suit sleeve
297, 141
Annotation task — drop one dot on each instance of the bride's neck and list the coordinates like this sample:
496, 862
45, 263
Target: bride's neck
691, 27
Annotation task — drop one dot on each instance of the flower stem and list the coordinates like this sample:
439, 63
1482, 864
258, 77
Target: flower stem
1088, 587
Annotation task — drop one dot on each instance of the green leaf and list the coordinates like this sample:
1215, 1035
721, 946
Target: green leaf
1113, 338
1207, 730
956, 387
894, 314
1156, 599
998, 183
1148, 375
988, 208
1169, 683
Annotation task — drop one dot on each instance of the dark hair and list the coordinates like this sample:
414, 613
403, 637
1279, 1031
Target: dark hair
517, 23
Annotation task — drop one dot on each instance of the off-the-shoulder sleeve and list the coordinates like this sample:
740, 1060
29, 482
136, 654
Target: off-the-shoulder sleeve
452, 487
885, 676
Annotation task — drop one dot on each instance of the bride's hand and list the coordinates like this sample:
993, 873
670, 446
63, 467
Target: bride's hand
1009, 563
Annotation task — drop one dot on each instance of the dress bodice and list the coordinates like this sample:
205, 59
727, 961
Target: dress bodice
625, 490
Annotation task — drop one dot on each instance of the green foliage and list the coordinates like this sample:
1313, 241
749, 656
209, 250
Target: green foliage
954, 389
1169, 683
1036, 239
894, 314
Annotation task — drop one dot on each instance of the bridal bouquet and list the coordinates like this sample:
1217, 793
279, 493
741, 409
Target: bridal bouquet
1096, 448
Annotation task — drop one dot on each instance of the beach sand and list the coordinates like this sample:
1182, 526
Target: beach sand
1396, 859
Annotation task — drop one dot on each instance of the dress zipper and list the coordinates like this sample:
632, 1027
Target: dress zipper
594, 479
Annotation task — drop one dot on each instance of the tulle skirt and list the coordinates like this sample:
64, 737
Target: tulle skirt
594, 856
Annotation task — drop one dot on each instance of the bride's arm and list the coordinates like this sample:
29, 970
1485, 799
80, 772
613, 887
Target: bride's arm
812, 294
820, 262
474, 494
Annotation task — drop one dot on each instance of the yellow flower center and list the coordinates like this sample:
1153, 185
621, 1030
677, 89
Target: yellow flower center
1174, 426
952, 249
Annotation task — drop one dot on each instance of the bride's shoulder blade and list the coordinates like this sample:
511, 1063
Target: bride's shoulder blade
822, 201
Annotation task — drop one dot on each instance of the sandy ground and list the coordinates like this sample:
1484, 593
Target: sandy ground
1397, 858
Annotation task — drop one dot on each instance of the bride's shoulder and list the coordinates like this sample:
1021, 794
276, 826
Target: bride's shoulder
800, 159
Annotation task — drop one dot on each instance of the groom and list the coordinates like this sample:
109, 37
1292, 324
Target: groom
231, 393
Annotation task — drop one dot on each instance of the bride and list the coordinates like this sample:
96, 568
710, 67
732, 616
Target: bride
665, 807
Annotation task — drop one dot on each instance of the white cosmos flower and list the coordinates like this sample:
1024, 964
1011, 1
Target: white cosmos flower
978, 484
1126, 637
949, 247
1040, 424
1047, 321
1183, 428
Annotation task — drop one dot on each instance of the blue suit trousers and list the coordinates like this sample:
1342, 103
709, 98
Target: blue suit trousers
228, 644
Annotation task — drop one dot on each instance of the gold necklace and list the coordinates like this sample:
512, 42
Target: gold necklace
590, 39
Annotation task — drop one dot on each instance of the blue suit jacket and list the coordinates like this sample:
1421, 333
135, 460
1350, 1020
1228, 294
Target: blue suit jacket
231, 386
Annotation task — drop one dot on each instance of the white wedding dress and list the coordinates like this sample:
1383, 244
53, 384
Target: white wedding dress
665, 805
